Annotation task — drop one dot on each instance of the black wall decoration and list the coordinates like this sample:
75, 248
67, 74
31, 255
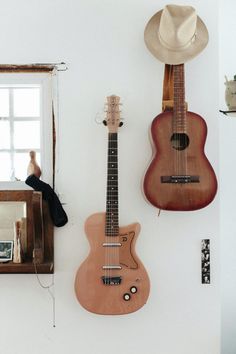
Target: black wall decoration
205, 252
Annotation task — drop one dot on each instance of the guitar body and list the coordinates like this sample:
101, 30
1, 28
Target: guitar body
111, 299
190, 160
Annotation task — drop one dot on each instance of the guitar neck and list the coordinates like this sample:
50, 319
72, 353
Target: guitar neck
179, 117
112, 212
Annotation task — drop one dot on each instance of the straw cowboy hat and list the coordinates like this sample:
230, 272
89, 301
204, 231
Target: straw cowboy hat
176, 34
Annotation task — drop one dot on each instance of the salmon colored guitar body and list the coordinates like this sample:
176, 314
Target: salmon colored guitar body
112, 280
116, 291
180, 176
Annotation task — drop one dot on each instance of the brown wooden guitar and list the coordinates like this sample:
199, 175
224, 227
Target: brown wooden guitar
180, 176
112, 280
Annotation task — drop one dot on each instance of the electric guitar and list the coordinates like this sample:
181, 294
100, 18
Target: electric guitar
180, 176
112, 280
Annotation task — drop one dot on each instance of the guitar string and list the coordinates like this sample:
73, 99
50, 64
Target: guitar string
107, 211
112, 207
174, 119
180, 126
117, 249
116, 230
107, 214
109, 208
185, 123
176, 122
170, 74
180, 119
112, 225
115, 200
176, 136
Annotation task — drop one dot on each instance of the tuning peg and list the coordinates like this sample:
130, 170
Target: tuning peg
104, 122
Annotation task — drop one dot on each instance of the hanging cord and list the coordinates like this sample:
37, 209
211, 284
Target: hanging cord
54, 120
51, 290
56, 128
51, 287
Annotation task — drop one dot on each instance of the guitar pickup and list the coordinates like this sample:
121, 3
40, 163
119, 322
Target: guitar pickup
107, 267
180, 179
111, 244
111, 280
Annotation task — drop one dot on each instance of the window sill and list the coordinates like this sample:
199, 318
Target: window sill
16, 185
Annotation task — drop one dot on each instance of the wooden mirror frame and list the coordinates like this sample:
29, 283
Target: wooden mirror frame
39, 255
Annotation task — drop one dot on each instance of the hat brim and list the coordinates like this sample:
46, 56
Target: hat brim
168, 56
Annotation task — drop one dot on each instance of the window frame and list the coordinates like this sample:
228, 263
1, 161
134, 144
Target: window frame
44, 80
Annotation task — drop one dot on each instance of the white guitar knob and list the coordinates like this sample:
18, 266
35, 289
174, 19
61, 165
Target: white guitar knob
126, 297
133, 289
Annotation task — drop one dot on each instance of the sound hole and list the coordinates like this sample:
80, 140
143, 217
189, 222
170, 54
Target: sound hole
179, 141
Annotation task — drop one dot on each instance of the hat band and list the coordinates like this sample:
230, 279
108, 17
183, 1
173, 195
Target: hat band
181, 47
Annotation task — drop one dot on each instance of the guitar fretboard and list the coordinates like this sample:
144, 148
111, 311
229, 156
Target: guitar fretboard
112, 212
179, 117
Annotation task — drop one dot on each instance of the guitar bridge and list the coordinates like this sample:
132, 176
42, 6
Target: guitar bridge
180, 179
111, 280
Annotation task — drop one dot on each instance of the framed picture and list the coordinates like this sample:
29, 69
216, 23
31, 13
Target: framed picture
6, 250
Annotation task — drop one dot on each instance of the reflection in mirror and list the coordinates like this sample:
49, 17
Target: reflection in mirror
10, 212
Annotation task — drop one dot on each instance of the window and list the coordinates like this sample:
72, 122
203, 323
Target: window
25, 125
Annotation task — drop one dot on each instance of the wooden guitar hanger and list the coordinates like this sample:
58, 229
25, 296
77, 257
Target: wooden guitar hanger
168, 89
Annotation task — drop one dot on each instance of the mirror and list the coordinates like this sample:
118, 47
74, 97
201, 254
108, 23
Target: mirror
11, 212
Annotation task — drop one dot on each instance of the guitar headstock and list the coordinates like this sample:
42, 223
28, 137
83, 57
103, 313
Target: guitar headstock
113, 120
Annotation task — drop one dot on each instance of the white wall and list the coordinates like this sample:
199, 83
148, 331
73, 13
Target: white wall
227, 173
102, 42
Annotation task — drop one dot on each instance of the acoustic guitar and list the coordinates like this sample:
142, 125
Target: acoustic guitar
180, 176
112, 280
